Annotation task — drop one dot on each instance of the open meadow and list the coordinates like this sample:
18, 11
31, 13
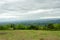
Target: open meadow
29, 35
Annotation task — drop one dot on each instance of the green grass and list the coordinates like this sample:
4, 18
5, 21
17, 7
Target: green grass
29, 35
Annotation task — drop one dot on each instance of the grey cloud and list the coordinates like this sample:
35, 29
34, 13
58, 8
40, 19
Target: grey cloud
54, 13
31, 5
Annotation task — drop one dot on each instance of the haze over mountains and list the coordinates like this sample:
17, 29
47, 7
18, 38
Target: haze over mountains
33, 22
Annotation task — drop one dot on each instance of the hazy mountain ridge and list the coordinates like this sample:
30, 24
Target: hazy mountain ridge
41, 21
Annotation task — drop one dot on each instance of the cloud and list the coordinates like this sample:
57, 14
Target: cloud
9, 1
29, 9
17, 15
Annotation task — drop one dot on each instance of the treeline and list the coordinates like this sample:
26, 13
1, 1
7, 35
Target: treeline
30, 27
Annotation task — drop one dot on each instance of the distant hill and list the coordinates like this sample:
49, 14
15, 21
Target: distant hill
40, 21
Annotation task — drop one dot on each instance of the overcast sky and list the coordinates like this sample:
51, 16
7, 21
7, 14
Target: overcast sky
29, 9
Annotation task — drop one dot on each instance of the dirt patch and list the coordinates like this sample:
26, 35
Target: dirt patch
3, 33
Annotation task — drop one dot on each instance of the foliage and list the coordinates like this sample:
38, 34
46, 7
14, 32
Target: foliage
30, 27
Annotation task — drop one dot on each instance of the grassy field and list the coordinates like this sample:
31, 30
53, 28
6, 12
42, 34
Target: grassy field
29, 35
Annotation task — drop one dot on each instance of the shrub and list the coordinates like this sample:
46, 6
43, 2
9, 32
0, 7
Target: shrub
50, 26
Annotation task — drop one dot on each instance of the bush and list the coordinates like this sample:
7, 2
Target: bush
33, 27
50, 26
4, 27
57, 26
20, 27
30, 27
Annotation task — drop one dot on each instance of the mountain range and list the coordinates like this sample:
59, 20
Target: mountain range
40, 21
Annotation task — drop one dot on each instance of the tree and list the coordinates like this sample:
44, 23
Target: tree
57, 26
13, 26
50, 26
33, 27
4, 27
20, 27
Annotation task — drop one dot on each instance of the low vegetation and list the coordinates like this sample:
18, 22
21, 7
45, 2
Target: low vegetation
29, 32
29, 35
30, 27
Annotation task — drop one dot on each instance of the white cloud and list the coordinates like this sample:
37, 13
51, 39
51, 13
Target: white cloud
22, 16
30, 15
39, 11
50, 17
29, 9
10, 0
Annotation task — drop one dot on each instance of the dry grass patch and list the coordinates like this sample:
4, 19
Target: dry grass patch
30, 35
